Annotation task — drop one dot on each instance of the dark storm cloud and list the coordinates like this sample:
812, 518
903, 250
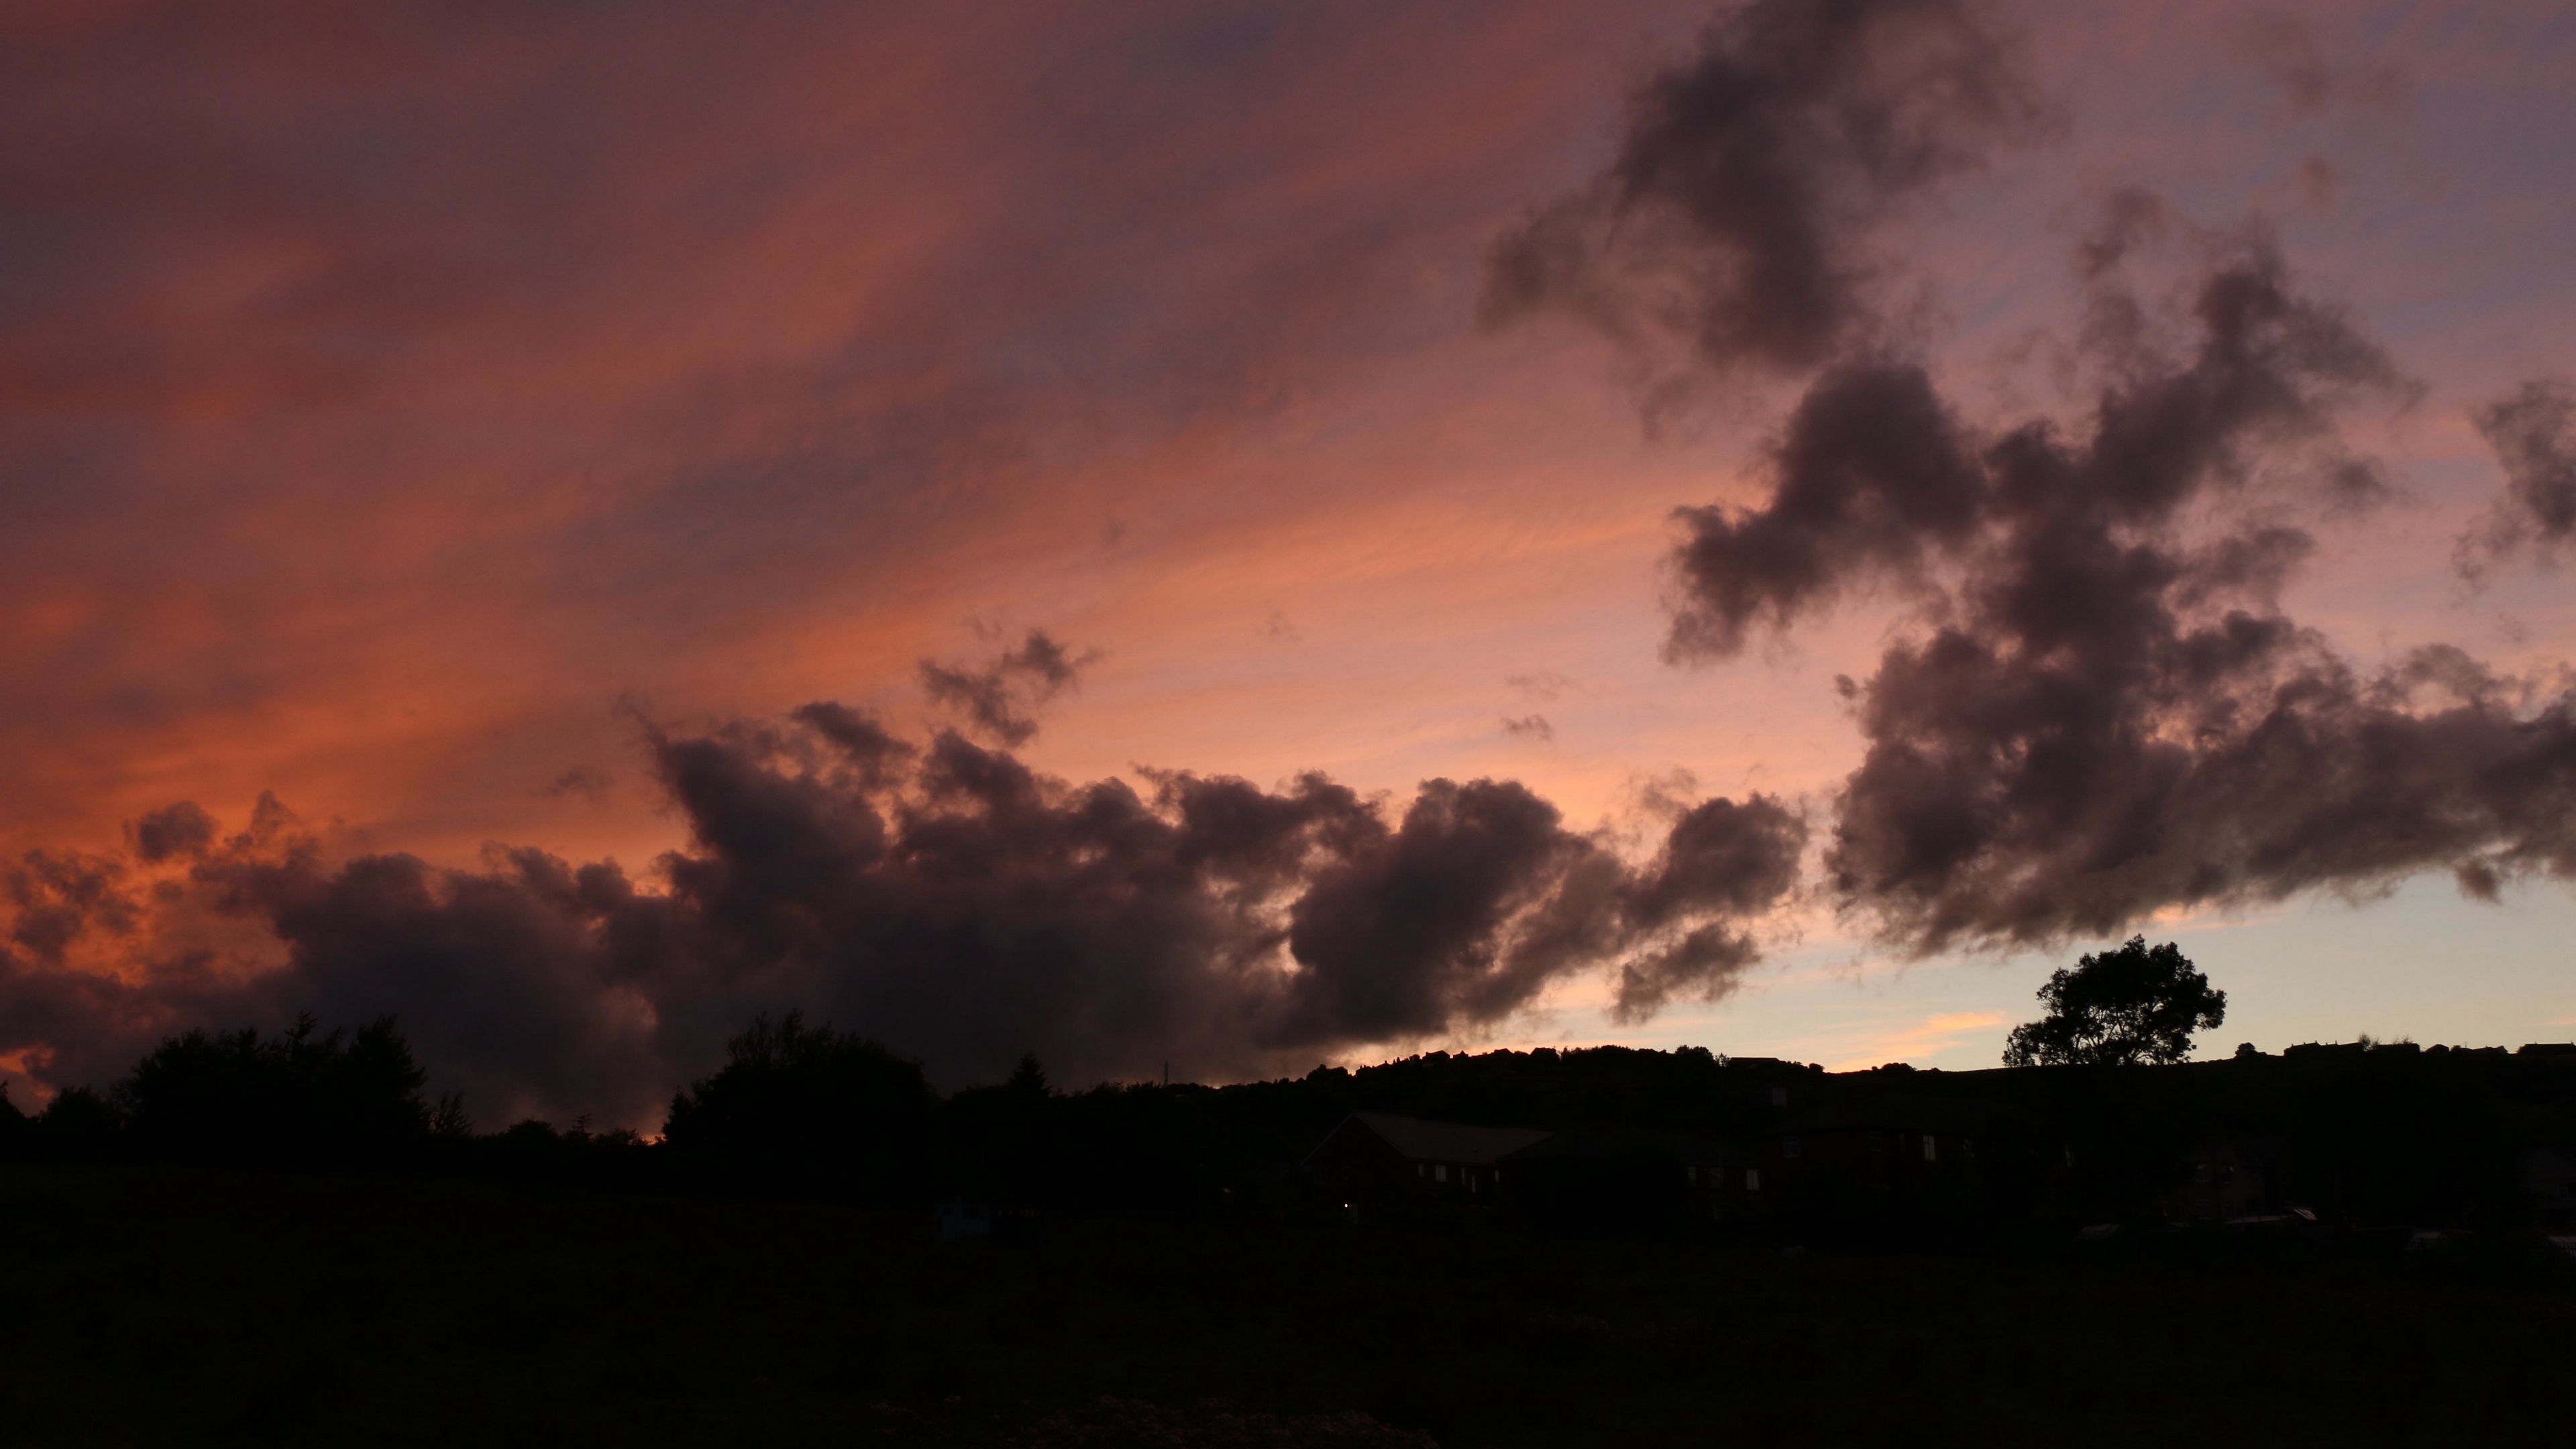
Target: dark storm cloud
860, 738
1875, 476
1871, 473
181, 829
2533, 433
947, 899
499, 975
1724, 857
2107, 712
1738, 214
1407, 932
56, 896
1720, 858
1000, 698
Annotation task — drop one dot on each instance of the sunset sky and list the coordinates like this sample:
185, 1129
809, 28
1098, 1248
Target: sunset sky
436, 416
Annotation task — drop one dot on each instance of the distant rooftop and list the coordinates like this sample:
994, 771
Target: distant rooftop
1446, 1141
1595, 1141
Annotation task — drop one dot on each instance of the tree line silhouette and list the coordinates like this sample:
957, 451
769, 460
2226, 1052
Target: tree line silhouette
2385, 1133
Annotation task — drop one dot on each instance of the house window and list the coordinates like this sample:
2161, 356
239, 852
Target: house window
1789, 1145
1928, 1155
1752, 1180
1440, 1174
1421, 1169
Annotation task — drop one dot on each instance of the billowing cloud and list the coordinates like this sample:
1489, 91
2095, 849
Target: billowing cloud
1872, 473
2106, 711
2533, 433
175, 830
2102, 709
1721, 859
1739, 215
948, 899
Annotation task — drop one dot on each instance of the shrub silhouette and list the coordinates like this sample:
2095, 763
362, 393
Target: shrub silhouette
79, 1125
806, 1109
295, 1098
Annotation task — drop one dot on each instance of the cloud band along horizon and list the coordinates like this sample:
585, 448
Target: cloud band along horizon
945, 898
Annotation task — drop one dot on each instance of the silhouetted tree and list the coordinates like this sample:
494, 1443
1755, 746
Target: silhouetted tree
17, 1129
806, 1108
448, 1122
1028, 1078
1010, 1144
79, 1125
299, 1097
2120, 1007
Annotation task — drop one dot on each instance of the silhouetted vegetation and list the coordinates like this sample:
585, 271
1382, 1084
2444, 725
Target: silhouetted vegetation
2118, 1008
806, 1109
2362, 1138
77, 1126
300, 1097
2019, 1249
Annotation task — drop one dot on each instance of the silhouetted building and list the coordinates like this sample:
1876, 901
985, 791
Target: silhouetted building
1879, 1143
2227, 1179
1775, 1076
1630, 1177
1376, 1164
2548, 1180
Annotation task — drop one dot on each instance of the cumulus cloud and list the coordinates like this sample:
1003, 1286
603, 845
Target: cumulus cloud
1721, 859
176, 830
1739, 216
2102, 708
1871, 474
944, 897
56, 895
2105, 710
2533, 433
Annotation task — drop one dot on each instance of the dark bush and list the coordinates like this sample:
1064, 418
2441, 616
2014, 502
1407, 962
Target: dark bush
296, 1098
806, 1109
79, 1125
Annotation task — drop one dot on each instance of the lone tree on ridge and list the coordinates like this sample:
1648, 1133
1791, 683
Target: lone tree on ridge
2117, 1008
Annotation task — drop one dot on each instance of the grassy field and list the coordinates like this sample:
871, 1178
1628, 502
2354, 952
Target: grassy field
158, 1306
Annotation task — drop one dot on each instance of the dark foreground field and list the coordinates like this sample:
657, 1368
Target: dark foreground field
157, 1306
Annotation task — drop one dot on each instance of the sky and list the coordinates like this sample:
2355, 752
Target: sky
1247, 535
